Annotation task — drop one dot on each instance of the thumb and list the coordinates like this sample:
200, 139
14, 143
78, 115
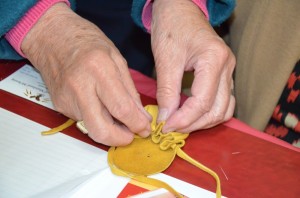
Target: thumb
169, 77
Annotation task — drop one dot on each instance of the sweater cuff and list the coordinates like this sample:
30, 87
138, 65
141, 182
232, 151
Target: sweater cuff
16, 35
147, 12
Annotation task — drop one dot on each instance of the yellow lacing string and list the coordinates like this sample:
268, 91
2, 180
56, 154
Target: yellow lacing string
115, 170
59, 128
173, 140
184, 156
168, 140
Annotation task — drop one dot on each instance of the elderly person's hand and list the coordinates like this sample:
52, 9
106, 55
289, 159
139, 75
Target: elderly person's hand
86, 76
183, 40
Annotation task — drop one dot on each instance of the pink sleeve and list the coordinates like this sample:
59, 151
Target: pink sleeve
147, 12
16, 35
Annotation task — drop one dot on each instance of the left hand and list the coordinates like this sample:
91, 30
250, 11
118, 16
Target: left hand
183, 40
86, 76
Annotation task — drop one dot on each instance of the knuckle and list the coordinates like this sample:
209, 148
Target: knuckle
230, 111
93, 56
130, 116
183, 123
138, 123
102, 135
139, 126
95, 60
166, 92
220, 49
202, 105
205, 108
220, 44
228, 116
218, 117
211, 121
121, 111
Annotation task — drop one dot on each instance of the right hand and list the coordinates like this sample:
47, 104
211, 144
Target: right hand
87, 77
183, 40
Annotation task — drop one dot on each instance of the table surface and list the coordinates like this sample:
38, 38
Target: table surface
248, 166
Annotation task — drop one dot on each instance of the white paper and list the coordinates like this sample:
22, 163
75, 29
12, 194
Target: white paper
27, 83
100, 184
104, 184
32, 163
184, 188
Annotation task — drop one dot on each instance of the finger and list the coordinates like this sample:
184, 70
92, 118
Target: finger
118, 101
203, 124
217, 115
227, 116
109, 132
101, 125
169, 77
203, 90
232, 102
230, 110
129, 84
218, 110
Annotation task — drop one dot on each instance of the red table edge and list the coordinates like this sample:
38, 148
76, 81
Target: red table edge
147, 86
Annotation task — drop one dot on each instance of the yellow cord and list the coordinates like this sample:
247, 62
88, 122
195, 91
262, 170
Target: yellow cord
166, 142
157, 183
172, 140
59, 128
184, 156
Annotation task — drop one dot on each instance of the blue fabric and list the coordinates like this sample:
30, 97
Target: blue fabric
219, 11
11, 11
136, 12
7, 52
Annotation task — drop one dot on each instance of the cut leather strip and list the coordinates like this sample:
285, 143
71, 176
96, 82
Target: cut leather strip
184, 156
59, 128
154, 154
147, 156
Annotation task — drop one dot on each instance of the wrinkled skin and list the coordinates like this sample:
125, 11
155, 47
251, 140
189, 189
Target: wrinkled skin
86, 75
183, 40
88, 79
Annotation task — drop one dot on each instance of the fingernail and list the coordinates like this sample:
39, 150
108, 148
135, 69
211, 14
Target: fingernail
163, 115
144, 133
